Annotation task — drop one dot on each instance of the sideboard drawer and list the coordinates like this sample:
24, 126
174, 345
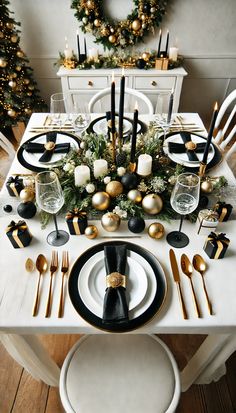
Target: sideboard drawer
88, 82
153, 82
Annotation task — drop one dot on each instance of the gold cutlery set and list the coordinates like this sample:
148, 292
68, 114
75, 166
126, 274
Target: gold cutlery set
187, 268
49, 125
42, 266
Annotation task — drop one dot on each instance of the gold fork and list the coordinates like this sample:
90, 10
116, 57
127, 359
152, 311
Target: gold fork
53, 268
64, 270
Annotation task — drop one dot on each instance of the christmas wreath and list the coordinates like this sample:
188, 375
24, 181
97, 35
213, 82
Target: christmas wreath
146, 15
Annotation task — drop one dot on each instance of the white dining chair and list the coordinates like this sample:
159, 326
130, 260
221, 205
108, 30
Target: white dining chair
6, 161
127, 373
226, 129
101, 101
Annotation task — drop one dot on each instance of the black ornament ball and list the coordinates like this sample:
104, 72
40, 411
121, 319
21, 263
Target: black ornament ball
26, 209
7, 208
136, 224
140, 63
146, 7
203, 201
129, 181
125, 33
91, 18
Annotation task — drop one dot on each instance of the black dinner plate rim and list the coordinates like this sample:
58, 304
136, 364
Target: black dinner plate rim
146, 316
217, 158
94, 121
34, 168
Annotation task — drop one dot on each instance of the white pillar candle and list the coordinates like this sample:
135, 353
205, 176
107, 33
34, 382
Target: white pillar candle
100, 167
173, 53
92, 54
144, 167
82, 175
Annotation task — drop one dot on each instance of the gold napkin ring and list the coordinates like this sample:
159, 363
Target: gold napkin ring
190, 146
115, 280
49, 146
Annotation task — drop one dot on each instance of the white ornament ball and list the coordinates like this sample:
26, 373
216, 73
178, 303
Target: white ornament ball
121, 171
107, 179
90, 188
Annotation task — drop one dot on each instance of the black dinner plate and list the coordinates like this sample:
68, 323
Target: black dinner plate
217, 158
143, 127
86, 314
26, 164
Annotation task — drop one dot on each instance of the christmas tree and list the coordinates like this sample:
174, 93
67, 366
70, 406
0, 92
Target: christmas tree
19, 96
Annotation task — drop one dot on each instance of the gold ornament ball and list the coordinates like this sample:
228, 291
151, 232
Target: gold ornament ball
135, 196
101, 201
18, 68
31, 87
9, 25
152, 204
26, 81
14, 38
27, 194
20, 53
1, 35
156, 230
105, 31
90, 4
146, 56
3, 63
91, 232
112, 38
28, 111
136, 25
207, 186
97, 23
110, 221
114, 188
12, 84
11, 113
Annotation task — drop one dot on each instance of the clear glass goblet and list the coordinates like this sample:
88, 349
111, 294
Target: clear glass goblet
184, 200
163, 111
49, 197
57, 107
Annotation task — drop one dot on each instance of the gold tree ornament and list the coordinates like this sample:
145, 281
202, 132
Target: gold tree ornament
11, 113
19, 53
14, 38
136, 25
3, 63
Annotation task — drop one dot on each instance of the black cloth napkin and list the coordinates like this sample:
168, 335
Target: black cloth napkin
115, 308
33, 147
180, 147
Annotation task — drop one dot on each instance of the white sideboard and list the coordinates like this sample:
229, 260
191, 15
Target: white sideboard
88, 82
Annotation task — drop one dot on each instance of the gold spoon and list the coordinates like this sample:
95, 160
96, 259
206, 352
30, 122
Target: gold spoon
200, 266
41, 265
29, 265
187, 269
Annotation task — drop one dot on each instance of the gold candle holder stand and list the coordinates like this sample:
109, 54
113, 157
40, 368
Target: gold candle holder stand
132, 167
202, 169
161, 63
113, 137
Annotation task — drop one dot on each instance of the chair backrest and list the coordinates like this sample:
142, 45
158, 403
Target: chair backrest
226, 131
101, 102
7, 146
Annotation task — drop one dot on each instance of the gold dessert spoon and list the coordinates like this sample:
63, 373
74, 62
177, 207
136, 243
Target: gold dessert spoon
29, 265
41, 265
200, 266
187, 269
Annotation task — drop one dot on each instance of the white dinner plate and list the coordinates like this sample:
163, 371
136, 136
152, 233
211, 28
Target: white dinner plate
100, 127
33, 158
182, 158
141, 284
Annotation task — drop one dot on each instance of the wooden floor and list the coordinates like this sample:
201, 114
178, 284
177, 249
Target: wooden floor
20, 393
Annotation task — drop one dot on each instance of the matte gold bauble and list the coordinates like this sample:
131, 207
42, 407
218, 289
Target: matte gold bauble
26, 81
28, 111
156, 230
136, 25
135, 196
27, 194
14, 38
91, 232
19, 53
152, 204
114, 188
9, 25
112, 38
105, 31
110, 221
11, 113
1, 35
90, 4
146, 56
97, 23
12, 84
101, 201
29, 93
3, 63
207, 186
31, 87
18, 68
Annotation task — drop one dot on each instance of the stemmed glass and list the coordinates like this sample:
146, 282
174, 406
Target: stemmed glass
184, 200
50, 198
57, 107
81, 117
164, 115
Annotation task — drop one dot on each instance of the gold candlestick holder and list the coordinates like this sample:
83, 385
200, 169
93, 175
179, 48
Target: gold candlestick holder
132, 167
113, 137
202, 169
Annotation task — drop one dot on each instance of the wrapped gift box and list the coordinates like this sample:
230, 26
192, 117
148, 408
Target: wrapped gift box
224, 210
76, 221
216, 245
18, 233
207, 220
14, 185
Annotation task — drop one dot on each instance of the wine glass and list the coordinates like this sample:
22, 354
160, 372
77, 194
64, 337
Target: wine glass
81, 117
163, 111
57, 107
184, 200
50, 198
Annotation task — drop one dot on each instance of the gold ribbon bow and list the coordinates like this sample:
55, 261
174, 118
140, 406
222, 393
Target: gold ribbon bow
15, 227
211, 216
223, 211
12, 184
220, 241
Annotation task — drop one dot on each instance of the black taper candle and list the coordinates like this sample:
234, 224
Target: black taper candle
170, 107
134, 136
167, 42
113, 114
78, 45
121, 105
85, 48
210, 133
159, 45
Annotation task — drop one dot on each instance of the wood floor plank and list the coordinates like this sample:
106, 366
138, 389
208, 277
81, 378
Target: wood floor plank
231, 378
192, 401
58, 345
217, 397
31, 396
10, 374
54, 403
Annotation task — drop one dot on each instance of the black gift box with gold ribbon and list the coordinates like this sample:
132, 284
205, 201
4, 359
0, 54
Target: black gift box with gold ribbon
14, 185
224, 210
76, 221
18, 233
216, 245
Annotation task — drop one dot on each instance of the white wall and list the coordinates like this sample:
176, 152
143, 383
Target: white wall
205, 31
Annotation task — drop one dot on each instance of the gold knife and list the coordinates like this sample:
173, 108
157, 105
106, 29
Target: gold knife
175, 271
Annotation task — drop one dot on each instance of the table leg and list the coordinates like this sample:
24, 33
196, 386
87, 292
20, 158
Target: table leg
208, 363
29, 352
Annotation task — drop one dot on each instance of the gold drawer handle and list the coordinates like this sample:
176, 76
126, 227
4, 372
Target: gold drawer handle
154, 83
90, 83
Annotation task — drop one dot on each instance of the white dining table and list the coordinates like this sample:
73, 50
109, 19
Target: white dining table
19, 329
